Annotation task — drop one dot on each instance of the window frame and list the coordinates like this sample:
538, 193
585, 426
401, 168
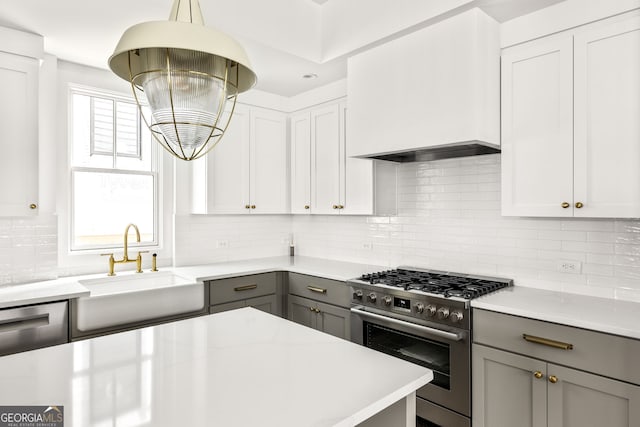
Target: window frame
156, 173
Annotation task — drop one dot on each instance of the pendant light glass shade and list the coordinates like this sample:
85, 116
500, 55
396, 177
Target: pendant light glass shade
191, 82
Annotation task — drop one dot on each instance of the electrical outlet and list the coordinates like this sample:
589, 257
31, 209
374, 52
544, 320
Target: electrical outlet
367, 246
566, 266
222, 244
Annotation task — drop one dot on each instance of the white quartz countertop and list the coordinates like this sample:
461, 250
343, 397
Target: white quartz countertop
598, 314
330, 269
66, 288
237, 368
38, 292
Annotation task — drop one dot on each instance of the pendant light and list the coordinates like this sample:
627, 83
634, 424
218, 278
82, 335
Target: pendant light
190, 75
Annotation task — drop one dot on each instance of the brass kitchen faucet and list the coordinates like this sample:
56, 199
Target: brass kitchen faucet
125, 258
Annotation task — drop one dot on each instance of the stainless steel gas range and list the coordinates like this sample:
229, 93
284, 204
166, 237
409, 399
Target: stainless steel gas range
424, 316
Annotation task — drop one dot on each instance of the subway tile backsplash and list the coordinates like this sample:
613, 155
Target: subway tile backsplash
449, 219
28, 249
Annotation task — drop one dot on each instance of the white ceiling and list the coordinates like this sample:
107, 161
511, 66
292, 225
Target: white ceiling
284, 39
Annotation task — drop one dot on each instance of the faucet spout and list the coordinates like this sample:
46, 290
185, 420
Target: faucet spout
126, 240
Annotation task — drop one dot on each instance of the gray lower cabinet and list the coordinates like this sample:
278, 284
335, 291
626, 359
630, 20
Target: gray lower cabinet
511, 388
321, 316
319, 303
268, 304
260, 291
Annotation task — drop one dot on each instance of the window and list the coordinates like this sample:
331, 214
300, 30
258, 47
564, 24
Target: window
114, 172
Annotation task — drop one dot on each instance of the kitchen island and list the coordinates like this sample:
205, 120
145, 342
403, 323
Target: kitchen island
238, 368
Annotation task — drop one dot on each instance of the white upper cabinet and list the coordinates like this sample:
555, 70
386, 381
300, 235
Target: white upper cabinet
326, 165
247, 172
537, 129
323, 179
269, 154
570, 128
301, 163
438, 86
19, 68
607, 119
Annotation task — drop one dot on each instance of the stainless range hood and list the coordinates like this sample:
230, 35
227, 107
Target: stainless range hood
449, 151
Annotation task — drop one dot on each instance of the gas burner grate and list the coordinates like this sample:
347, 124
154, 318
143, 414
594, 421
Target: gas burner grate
447, 285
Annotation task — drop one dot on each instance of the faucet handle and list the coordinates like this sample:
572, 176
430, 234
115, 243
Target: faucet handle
111, 264
139, 261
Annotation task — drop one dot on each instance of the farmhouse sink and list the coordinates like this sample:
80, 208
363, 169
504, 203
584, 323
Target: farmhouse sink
130, 298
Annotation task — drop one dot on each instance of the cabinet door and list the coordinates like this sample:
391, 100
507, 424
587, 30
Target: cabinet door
325, 159
580, 399
269, 160
607, 124
301, 310
505, 390
301, 163
537, 128
356, 177
19, 142
227, 168
268, 304
334, 321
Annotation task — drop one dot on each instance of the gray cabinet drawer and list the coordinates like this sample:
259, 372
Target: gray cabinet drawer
608, 355
31, 327
319, 289
241, 288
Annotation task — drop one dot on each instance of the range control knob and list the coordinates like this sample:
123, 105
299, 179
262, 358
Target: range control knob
431, 310
456, 316
387, 300
372, 297
443, 313
357, 294
419, 307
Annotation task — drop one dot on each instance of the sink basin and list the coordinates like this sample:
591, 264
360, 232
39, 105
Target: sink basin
130, 298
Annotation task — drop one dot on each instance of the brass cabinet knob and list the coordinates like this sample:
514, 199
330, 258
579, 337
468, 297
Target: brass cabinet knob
579, 205
335, 206
553, 379
33, 206
253, 206
565, 205
340, 207
306, 206
311, 308
538, 374
247, 206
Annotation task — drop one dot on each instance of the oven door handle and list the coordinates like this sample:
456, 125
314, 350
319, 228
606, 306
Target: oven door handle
451, 336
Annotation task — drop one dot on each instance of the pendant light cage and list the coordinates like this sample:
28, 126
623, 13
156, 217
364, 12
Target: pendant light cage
188, 74
192, 97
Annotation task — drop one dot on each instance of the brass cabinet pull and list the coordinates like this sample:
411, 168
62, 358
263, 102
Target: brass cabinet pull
317, 290
335, 206
245, 288
340, 207
538, 374
565, 205
253, 206
315, 310
306, 206
318, 311
579, 205
312, 309
33, 206
553, 379
545, 341
247, 206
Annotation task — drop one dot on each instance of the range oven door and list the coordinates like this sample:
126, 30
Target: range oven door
445, 351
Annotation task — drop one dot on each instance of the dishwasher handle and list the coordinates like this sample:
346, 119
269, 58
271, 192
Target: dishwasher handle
21, 323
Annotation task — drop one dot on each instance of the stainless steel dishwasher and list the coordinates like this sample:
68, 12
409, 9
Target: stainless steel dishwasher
35, 326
